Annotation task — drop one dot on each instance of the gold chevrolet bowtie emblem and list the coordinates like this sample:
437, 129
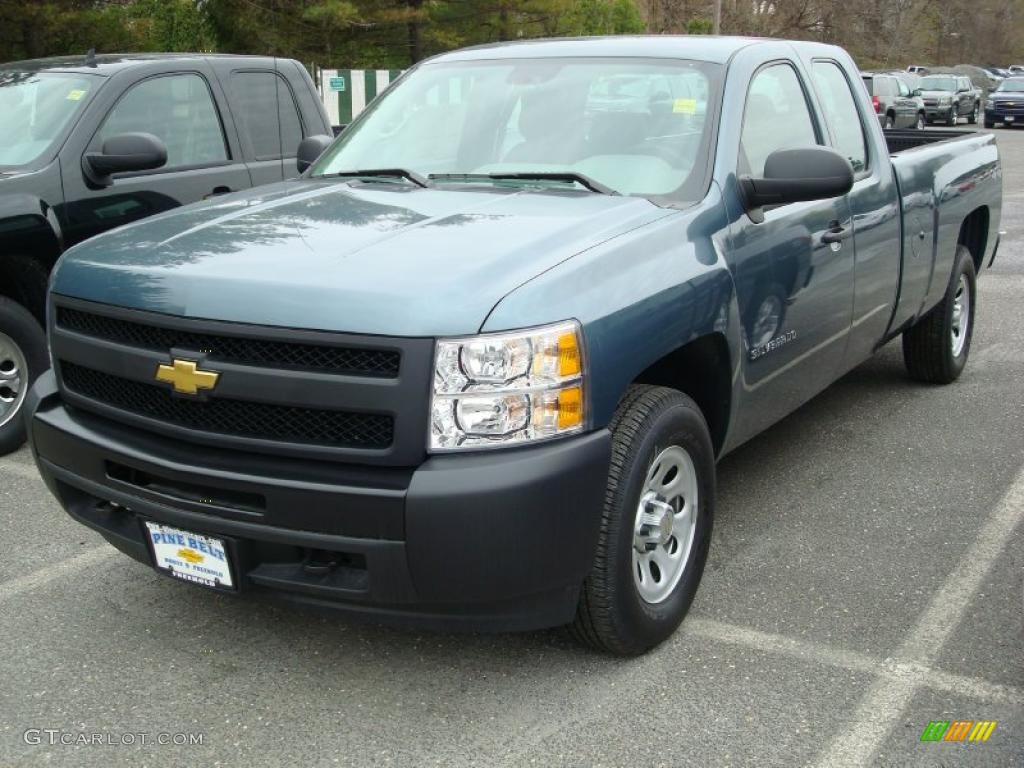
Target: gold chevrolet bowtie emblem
185, 377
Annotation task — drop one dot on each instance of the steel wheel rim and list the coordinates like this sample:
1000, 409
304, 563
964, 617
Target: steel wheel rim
961, 316
954, 113
920, 122
889, 122
977, 111
665, 524
13, 379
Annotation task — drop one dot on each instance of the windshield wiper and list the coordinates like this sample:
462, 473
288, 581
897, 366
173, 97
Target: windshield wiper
393, 173
566, 176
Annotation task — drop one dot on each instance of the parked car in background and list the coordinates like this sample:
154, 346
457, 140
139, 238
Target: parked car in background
1005, 105
916, 69
1016, 69
89, 144
949, 97
893, 101
997, 72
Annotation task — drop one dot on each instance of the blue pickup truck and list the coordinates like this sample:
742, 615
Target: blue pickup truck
475, 367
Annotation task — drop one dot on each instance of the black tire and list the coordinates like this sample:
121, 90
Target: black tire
954, 115
973, 117
612, 616
21, 329
989, 124
928, 346
920, 121
890, 121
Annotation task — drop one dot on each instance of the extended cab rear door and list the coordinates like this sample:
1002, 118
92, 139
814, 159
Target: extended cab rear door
179, 102
874, 249
259, 89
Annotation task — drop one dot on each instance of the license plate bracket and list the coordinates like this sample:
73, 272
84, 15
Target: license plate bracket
196, 558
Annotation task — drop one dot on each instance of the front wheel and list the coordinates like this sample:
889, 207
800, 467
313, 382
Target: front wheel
23, 357
935, 349
890, 122
973, 117
655, 525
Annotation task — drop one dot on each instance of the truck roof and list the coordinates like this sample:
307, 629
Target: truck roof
698, 47
108, 63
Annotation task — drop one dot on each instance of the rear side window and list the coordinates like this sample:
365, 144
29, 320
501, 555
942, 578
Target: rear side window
904, 90
776, 117
177, 109
841, 113
255, 100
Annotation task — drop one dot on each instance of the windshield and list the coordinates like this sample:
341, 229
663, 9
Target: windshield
635, 126
1016, 86
36, 106
932, 83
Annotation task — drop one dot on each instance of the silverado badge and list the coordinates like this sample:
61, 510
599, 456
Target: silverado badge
185, 377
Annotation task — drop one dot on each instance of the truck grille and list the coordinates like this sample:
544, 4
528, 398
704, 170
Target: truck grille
352, 361
309, 394
231, 417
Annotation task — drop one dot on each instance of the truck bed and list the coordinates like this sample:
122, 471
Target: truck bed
943, 178
902, 139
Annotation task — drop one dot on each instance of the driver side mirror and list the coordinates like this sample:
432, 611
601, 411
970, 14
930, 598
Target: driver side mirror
310, 148
124, 153
797, 175
916, 92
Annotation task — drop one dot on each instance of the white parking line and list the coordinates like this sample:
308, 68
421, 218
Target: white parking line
892, 692
29, 581
733, 634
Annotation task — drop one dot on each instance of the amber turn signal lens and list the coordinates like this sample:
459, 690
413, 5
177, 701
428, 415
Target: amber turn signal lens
570, 408
568, 355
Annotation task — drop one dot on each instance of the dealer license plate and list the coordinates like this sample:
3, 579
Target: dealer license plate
190, 556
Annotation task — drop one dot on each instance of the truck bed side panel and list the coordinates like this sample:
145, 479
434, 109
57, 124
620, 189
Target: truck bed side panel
940, 184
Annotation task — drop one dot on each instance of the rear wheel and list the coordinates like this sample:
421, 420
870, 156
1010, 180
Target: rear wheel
919, 125
935, 349
954, 115
655, 526
975, 113
22, 358
890, 121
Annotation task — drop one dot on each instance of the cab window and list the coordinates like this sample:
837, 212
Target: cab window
776, 117
841, 114
177, 109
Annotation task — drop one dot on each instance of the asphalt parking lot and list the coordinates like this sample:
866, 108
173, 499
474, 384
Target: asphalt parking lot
865, 579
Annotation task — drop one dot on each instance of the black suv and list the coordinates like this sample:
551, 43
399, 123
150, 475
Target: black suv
91, 143
1006, 103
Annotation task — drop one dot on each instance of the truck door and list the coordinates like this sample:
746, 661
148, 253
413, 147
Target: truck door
180, 109
793, 287
875, 248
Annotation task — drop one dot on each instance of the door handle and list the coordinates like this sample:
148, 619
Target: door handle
835, 233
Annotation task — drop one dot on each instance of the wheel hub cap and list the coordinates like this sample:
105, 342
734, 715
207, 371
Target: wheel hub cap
13, 379
666, 518
961, 317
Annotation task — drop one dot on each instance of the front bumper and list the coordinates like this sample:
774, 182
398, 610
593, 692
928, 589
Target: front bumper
1004, 114
487, 541
938, 113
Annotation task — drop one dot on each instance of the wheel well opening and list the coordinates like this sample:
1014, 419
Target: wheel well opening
974, 234
700, 369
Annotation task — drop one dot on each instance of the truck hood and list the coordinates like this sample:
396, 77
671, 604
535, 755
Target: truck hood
379, 258
936, 94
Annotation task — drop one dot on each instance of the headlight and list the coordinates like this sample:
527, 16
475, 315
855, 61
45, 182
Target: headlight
945, 100
505, 389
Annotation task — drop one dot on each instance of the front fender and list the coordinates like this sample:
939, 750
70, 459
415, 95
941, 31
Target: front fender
639, 298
